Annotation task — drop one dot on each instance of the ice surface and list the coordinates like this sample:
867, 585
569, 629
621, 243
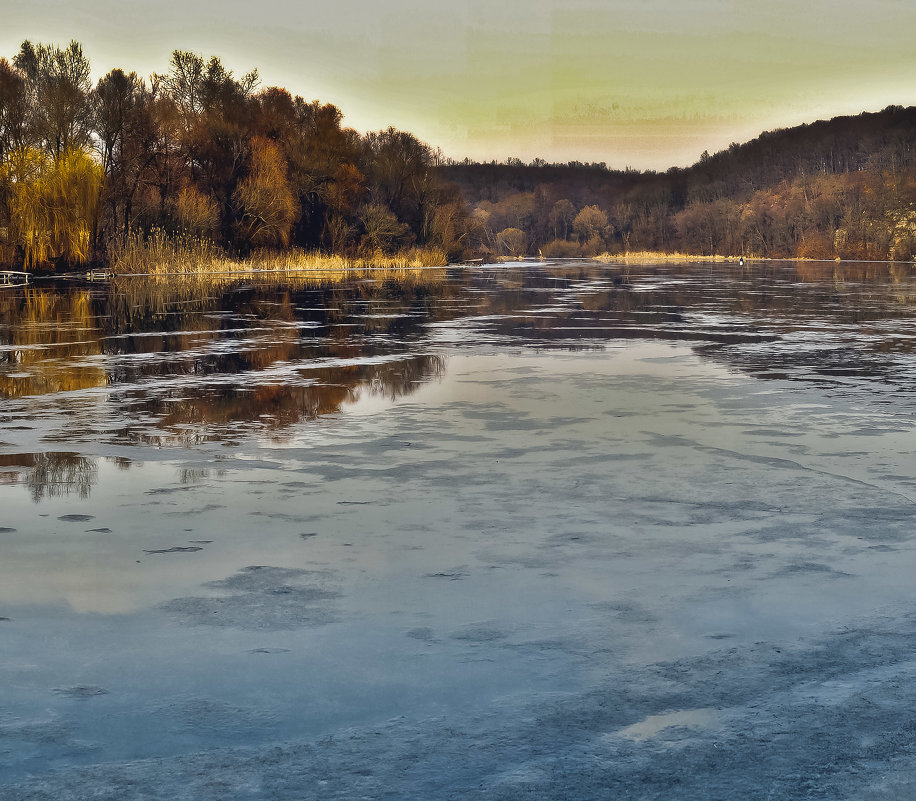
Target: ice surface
645, 568
260, 597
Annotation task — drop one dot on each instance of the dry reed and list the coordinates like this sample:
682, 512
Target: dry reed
157, 270
160, 254
656, 255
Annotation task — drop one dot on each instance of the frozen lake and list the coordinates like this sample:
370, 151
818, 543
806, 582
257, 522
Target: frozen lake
534, 531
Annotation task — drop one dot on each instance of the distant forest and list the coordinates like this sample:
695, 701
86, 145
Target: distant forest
200, 153
842, 188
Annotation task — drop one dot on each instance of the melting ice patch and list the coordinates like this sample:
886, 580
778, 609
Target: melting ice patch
653, 725
261, 597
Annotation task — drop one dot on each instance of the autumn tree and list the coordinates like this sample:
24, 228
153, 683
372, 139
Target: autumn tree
591, 226
266, 206
512, 242
398, 166
481, 237
13, 107
341, 195
51, 204
381, 229
196, 213
113, 102
200, 88
451, 227
137, 137
217, 114
114, 106
324, 173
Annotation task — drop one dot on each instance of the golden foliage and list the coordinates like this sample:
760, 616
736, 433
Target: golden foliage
264, 197
196, 213
512, 242
158, 252
161, 255
52, 203
655, 255
381, 226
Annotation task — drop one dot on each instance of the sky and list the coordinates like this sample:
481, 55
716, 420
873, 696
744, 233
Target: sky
646, 84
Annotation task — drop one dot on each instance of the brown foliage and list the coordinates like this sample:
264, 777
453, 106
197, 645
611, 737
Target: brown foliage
13, 108
512, 242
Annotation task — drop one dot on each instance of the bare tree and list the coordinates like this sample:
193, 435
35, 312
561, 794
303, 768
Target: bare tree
59, 113
561, 217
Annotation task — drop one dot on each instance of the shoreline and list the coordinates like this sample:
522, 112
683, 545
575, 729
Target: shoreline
323, 267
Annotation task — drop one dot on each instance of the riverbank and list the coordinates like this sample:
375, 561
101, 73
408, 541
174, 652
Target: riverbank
660, 255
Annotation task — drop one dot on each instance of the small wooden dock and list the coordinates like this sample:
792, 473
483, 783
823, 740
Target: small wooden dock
99, 275
13, 278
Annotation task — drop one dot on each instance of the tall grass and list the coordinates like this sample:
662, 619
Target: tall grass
298, 260
657, 255
160, 254
156, 270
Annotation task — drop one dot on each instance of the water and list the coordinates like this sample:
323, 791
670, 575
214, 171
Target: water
525, 531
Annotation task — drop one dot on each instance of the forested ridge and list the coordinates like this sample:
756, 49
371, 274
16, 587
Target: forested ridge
839, 188
202, 155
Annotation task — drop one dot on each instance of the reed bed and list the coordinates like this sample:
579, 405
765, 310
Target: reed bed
159, 254
299, 260
155, 272
657, 255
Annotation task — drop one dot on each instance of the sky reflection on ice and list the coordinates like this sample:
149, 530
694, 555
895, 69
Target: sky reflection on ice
282, 536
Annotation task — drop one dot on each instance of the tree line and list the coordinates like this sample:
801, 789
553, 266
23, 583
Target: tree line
199, 151
202, 153
843, 188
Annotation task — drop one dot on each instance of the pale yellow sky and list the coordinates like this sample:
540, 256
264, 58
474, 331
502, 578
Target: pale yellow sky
645, 83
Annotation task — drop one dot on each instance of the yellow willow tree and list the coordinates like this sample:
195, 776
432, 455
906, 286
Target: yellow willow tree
52, 203
266, 204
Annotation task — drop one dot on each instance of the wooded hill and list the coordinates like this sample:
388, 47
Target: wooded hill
839, 188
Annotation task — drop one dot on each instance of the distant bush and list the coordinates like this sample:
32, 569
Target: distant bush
512, 242
561, 249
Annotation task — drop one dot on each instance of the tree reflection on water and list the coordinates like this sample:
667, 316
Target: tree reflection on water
135, 362
47, 341
202, 362
197, 357
51, 474
213, 413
